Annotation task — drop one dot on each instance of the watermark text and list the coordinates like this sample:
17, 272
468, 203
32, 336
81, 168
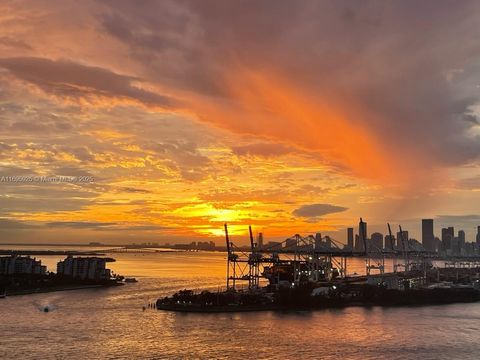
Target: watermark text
47, 179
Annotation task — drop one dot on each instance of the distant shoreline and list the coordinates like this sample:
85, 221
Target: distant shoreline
50, 252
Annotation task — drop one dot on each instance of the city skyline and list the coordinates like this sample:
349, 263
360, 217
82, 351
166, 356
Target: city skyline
119, 125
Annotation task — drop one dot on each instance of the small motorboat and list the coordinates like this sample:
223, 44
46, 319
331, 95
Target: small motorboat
130, 280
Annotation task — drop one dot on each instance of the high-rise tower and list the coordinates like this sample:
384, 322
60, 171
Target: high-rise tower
428, 239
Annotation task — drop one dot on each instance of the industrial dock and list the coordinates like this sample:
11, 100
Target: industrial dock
303, 273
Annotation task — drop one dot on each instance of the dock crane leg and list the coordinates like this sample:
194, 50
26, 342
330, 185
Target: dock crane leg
228, 255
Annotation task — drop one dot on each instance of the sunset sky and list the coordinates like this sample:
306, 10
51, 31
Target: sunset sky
291, 116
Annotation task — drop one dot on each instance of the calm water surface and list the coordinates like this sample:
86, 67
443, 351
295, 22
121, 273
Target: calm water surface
110, 323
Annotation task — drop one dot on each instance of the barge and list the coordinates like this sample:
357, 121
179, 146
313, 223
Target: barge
311, 298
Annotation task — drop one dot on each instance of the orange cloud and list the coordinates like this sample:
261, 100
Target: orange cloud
267, 105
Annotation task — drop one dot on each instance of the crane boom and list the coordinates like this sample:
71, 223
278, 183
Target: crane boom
252, 245
226, 238
364, 235
405, 248
391, 237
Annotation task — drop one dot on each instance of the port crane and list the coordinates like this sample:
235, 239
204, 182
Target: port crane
309, 262
405, 248
243, 266
372, 254
306, 259
392, 247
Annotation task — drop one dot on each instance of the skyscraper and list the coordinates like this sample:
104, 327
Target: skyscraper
350, 238
376, 242
447, 238
461, 241
402, 240
318, 241
389, 242
427, 235
362, 231
260, 240
478, 235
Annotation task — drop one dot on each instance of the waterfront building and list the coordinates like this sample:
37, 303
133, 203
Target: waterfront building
205, 245
85, 268
15, 264
428, 238
478, 236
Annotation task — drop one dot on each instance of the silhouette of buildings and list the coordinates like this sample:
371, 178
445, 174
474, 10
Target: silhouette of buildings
91, 268
15, 264
448, 244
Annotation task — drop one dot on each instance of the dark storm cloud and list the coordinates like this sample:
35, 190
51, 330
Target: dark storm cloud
67, 78
317, 210
402, 69
132, 190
